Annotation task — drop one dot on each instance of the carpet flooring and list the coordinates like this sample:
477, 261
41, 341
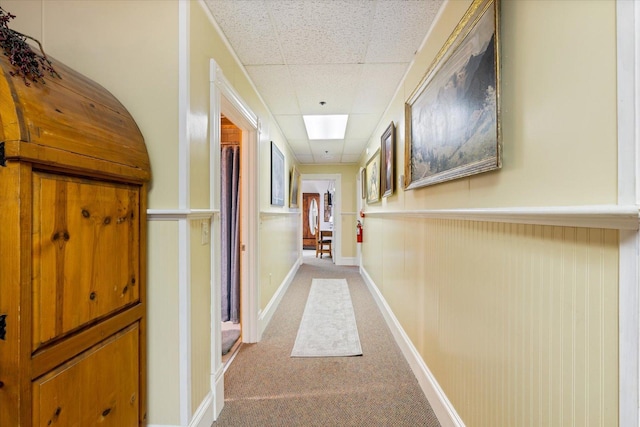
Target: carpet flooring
229, 338
264, 386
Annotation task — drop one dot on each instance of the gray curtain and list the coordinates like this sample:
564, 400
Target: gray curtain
229, 215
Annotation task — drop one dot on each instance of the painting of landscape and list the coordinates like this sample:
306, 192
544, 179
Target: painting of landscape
452, 122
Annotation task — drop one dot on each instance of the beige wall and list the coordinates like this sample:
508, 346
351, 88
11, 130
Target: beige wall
200, 312
138, 65
517, 323
163, 385
278, 252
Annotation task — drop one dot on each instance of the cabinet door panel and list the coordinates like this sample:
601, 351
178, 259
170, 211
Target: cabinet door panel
99, 387
85, 256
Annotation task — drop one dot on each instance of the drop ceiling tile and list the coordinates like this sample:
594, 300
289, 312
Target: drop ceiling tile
349, 53
336, 84
322, 31
401, 26
305, 159
300, 146
248, 28
378, 84
327, 150
350, 158
327, 159
292, 126
361, 126
352, 146
274, 84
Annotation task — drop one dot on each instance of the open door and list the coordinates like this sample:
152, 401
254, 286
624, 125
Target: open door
309, 200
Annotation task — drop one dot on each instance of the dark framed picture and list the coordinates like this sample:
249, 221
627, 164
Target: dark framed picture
294, 186
373, 178
387, 160
452, 119
363, 183
277, 176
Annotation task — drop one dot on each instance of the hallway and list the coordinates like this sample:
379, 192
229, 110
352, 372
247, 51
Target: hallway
264, 386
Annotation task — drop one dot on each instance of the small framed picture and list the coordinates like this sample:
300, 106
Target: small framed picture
387, 160
294, 185
373, 178
277, 176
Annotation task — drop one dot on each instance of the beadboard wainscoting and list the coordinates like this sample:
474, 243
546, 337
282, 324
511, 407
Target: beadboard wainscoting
524, 317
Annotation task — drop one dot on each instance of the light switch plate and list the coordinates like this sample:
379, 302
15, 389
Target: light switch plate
204, 231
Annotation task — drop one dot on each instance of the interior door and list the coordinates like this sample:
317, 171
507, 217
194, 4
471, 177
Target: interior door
308, 238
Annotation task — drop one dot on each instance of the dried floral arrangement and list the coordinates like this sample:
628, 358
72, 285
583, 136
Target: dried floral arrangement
28, 64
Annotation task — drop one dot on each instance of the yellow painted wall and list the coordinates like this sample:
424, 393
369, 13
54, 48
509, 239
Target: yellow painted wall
517, 323
278, 252
130, 53
163, 386
200, 316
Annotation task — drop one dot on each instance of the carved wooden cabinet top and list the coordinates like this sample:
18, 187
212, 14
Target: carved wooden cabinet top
71, 121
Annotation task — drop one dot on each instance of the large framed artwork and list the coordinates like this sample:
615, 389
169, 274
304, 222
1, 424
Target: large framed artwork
277, 176
294, 186
373, 178
452, 119
387, 160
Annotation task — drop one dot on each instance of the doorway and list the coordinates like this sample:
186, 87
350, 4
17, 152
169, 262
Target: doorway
327, 189
230, 226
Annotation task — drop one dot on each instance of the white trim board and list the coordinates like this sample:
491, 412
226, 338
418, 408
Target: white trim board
621, 217
225, 100
179, 214
628, 99
440, 404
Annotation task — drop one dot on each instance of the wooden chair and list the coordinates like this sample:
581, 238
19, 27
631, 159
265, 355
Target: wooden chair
323, 241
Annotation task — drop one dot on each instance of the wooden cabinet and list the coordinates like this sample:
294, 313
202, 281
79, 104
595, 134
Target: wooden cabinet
73, 188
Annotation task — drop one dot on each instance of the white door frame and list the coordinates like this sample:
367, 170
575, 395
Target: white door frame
225, 100
628, 81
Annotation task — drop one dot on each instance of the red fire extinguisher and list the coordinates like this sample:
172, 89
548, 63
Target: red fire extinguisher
359, 232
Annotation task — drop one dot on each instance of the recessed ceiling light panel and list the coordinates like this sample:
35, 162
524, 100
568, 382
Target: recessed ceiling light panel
331, 126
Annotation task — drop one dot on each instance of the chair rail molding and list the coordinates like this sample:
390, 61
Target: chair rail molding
621, 217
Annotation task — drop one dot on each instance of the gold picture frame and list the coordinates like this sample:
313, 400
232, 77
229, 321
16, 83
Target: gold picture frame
373, 178
452, 120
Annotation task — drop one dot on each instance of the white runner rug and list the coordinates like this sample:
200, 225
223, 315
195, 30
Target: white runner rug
328, 326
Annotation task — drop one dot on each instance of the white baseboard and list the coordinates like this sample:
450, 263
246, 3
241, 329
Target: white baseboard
348, 261
218, 385
441, 405
265, 315
203, 417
